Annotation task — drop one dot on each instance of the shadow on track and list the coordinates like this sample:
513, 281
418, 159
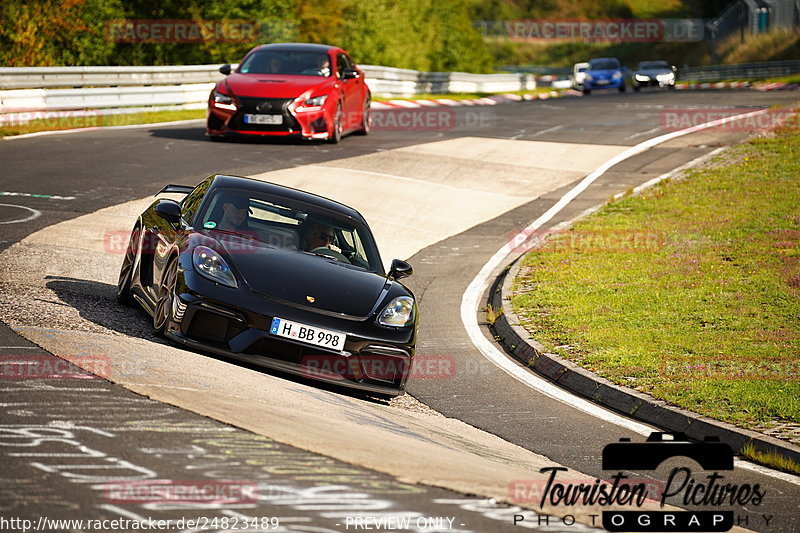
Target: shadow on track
198, 133
96, 302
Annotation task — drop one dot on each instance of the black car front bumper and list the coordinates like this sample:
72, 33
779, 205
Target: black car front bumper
373, 359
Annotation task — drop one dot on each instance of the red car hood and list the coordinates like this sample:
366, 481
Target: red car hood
274, 86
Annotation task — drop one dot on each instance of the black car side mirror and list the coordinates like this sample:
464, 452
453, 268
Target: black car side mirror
400, 269
169, 210
225, 69
350, 74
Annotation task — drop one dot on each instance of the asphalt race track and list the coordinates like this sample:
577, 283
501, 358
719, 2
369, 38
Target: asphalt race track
444, 200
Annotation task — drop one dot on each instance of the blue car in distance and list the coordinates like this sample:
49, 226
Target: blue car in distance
604, 73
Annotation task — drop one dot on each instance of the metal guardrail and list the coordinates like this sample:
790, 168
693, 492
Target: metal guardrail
392, 81
742, 71
711, 73
23, 90
73, 77
25, 100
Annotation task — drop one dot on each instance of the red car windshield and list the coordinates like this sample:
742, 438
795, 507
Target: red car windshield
286, 63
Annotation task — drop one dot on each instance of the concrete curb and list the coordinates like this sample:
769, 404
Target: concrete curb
518, 343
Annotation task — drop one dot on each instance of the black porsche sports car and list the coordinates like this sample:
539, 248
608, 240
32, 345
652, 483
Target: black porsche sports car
274, 276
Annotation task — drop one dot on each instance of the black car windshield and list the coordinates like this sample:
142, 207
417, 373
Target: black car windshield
281, 223
653, 65
286, 63
604, 64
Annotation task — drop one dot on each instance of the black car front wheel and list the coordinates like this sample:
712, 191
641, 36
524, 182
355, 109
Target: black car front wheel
126, 272
166, 295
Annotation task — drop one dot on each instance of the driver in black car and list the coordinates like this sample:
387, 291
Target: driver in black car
319, 235
234, 213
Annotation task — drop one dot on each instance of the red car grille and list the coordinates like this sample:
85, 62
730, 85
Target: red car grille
264, 106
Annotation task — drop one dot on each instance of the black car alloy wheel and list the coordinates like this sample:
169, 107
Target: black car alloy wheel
126, 273
166, 294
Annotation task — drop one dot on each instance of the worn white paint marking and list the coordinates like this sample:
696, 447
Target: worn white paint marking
33, 195
548, 130
33, 214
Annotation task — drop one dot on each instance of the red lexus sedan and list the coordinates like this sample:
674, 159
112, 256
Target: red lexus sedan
310, 90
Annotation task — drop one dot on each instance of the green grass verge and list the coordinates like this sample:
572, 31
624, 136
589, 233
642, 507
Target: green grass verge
774, 460
67, 122
689, 292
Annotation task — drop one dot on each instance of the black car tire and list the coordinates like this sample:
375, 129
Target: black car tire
337, 126
636, 87
586, 91
163, 310
126, 272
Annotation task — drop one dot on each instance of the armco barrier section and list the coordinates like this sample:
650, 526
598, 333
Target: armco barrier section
68, 88
73, 77
741, 71
23, 90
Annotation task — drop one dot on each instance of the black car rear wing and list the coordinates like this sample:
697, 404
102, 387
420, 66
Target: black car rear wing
172, 188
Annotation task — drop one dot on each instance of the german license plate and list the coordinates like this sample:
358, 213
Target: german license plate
263, 119
602, 82
307, 334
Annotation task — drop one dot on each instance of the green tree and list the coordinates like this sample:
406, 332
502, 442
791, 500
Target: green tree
56, 32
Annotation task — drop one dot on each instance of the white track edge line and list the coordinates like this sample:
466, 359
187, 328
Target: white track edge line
474, 291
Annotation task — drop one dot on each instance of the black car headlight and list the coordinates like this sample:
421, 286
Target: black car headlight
398, 313
211, 265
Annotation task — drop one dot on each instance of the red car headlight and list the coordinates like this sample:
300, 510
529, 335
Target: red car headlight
223, 101
313, 103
